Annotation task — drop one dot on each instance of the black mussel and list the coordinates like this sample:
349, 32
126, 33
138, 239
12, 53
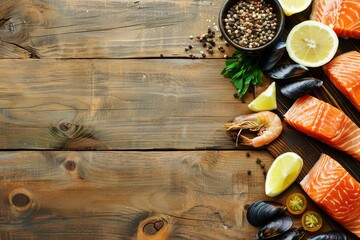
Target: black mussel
293, 234
300, 88
275, 228
272, 57
331, 235
261, 212
288, 71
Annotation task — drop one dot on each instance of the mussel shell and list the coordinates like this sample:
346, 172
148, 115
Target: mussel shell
288, 71
298, 89
275, 228
261, 212
331, 235
272, 57
293, 234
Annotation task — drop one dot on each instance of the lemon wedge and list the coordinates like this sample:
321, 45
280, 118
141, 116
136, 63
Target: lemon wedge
291, 7
282, 173
265, 101
312, 44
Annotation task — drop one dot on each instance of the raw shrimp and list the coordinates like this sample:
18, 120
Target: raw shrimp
266, 123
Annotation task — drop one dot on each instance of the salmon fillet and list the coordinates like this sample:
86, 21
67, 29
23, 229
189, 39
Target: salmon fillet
325, 123
341, 15
333, 189
344, 72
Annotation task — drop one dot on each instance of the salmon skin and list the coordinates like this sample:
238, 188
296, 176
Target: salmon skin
333, 189
344, 72
343, 16
325, 123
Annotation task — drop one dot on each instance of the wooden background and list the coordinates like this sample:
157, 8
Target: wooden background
112, 75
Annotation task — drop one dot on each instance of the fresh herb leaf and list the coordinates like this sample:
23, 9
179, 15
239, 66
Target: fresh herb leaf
243, 70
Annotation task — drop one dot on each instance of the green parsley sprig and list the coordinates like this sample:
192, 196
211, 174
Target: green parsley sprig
243, 71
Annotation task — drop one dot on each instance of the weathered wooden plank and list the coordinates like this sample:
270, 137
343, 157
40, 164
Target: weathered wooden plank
112, 28
131, 195
104, 29
116, 104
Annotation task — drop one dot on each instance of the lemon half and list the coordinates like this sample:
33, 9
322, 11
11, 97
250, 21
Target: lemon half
291, 7
282, 173
312, 44
266, 101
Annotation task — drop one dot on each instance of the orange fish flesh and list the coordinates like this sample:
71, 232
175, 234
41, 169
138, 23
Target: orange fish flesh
344, 72
343, 16
333, 189
325, 123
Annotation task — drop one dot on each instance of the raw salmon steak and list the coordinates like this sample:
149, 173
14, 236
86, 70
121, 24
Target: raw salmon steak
333, 189
341, 15
325, 123
344, 72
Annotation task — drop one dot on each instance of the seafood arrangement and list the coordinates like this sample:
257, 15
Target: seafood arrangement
328, 184
343, 71
326, 123
336, 191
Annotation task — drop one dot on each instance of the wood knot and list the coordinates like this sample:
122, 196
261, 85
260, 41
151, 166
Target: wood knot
153, 227
69, 130
70, 165
65, 126
21, 200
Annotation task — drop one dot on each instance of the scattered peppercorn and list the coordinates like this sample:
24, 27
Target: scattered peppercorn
247, 154
190, 46
262, 165
258, 161
161, 55
249, 172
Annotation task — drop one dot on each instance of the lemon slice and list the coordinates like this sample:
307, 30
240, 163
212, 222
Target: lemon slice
311, 43
265, 101
282, 173
291, 7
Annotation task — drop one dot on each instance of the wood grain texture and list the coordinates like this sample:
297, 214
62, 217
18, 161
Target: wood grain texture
116, 104
104, 29
130, 195
83, 102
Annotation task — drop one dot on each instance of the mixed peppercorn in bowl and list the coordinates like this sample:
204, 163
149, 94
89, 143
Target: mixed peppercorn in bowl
251, 25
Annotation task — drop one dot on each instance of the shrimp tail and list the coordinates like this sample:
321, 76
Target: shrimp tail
245, 140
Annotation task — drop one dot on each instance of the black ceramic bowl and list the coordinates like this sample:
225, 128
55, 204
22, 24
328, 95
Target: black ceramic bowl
257, 50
